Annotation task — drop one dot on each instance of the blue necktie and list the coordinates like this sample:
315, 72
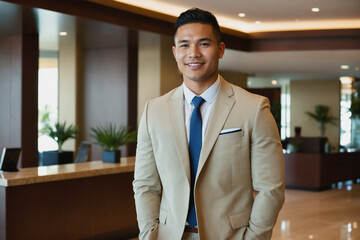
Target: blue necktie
195, 143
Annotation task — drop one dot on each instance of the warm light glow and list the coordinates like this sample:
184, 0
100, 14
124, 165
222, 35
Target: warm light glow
311, 237
315, 9
274, 82
346, 80
62, 33
257, 22
248, 27
357, 69
344, 67
242, 15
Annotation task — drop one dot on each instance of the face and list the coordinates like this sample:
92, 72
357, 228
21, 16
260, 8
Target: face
197, 52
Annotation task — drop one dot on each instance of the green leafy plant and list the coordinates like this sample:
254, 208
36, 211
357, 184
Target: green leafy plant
322, 116
60, 133
111, 137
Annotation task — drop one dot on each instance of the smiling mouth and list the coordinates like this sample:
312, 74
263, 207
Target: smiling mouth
194, 65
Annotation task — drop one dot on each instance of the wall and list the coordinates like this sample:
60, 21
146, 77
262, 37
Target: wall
305, 94
236, 78
18, 95
171, 77
149, 62
158, 72
10, 91
68, 80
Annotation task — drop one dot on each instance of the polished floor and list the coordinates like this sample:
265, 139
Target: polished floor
326, 215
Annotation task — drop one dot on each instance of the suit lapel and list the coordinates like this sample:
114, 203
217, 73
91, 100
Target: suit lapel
177, 122
221, 109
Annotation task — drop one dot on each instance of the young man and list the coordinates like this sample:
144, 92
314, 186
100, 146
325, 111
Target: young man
209, 162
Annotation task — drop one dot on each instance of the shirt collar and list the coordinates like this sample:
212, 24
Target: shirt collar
209, 95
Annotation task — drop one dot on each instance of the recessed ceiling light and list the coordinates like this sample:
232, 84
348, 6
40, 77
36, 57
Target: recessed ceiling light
344, 67
242, 14
274, 82
257, 22
315, 9
357, 69
62, 33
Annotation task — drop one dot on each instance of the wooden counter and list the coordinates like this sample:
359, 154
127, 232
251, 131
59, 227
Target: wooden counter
27, 176
315, 171
91, 200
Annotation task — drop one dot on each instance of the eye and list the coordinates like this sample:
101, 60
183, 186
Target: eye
185, 45
204, 44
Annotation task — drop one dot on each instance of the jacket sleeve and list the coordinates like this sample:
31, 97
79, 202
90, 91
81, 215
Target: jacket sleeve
268, 177
146, 184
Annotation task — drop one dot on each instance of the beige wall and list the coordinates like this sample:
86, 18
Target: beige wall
236, 78
148, 69
170, 75
68, 81
157, 72
305, 94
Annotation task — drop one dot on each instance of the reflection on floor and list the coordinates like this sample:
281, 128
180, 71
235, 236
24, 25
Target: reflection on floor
327, 215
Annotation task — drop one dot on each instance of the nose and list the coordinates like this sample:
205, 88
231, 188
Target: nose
194, 51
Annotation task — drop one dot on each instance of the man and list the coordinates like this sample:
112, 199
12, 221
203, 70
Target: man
209, 161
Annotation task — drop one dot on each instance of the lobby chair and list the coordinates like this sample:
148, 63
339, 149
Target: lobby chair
83, 152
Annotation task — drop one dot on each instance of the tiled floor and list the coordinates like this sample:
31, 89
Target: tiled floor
327, 215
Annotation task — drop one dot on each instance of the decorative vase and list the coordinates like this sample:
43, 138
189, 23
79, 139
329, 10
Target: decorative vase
321, 128
54, 158
111, 156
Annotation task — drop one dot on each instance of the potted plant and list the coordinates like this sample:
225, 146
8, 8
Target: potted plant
322, 116
60, 133
110, 138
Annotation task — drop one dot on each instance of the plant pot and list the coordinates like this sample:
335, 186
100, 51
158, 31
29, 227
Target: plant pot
54, 158
111, 156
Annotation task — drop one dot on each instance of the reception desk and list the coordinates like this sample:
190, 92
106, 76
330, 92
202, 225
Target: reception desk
91, 200
316, 171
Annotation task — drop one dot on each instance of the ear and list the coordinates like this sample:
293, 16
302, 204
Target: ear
174, 52
221, 49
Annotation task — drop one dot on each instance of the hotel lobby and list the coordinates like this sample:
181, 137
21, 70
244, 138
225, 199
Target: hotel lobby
89, 63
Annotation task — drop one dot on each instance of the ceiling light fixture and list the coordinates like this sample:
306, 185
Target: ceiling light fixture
62, 33
315, 9
242, 14
257, 22
274, 82
344, 67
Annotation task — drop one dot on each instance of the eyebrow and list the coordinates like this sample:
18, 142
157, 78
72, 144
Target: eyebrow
200, 40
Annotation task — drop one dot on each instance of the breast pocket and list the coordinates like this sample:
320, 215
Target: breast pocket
231, 139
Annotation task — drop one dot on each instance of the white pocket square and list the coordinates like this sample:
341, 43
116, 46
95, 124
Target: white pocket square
230, 130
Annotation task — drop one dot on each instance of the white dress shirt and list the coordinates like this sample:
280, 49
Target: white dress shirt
209, 96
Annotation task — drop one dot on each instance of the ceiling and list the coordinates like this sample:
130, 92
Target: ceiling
278, 15
273, 14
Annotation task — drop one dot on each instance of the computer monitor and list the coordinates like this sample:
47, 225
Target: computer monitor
9, 159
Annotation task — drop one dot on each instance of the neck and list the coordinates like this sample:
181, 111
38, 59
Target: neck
198, 87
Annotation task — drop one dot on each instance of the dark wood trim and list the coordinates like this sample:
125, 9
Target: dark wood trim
29, 89
133, 39
29, 100
305, 40
143, 19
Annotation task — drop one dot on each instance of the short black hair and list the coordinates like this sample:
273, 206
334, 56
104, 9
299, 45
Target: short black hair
197, 15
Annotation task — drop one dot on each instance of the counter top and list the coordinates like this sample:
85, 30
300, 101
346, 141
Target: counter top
33, 175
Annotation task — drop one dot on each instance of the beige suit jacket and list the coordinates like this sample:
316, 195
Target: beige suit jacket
232, 167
